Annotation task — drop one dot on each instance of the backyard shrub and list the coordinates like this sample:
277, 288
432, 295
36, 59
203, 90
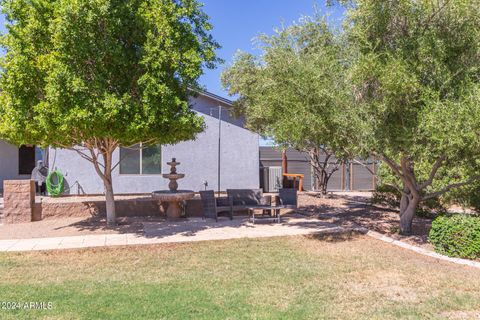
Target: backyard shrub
456, 236
467, 197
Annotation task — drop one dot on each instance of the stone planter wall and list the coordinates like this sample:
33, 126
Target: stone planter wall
20, 206
18, 201
124, 208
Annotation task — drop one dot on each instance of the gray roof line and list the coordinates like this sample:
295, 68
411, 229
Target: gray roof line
213, 96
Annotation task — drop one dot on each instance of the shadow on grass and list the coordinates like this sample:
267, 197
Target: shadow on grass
348, 235
158, 227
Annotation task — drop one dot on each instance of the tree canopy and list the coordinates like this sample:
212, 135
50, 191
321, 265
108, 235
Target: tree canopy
75, 70
415, 75
400, 81
102, 73
297, 92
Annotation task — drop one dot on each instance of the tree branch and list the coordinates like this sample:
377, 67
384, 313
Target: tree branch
433, 172
365, 166
395, 167
432, 16
450, 187
83, 155
409, 173
334, 169
96, 165
395, 187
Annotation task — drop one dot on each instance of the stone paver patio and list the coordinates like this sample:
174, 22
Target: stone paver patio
193, 229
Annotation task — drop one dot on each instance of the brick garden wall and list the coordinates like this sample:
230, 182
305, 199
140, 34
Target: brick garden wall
124, 208
20, 206
18, 201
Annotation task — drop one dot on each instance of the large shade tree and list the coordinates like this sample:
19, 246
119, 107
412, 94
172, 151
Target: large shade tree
92, 75
296, 92
416, 80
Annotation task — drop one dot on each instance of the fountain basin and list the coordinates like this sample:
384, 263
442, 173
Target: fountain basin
173, 199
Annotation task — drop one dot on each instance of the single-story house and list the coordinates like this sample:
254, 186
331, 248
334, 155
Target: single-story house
140, 170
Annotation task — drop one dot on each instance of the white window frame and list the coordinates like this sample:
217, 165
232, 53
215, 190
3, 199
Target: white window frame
141, 164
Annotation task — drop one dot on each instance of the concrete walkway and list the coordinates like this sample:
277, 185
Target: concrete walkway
194, 229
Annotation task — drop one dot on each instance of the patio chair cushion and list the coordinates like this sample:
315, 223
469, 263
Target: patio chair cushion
243, 197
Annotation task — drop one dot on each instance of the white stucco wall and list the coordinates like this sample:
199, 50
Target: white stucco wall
199, 160
9, 163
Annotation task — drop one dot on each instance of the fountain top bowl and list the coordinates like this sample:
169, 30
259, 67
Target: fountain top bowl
173, 162
173, 176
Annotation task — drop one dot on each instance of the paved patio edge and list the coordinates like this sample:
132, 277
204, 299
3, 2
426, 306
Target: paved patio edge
127, 239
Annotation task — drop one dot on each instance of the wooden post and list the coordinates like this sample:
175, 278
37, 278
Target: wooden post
285, 168
284, 161
294, 177
374, 177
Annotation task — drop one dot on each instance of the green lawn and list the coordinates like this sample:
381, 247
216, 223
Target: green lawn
277, 278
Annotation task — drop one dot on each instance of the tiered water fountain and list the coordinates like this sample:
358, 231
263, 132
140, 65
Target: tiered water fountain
173, 197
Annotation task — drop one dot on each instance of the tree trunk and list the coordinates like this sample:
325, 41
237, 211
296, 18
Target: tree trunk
404, 199
102, 148
110, 201
107, 182
323, 183
408, 207
322, 170
323, 190
316, 180
324, 186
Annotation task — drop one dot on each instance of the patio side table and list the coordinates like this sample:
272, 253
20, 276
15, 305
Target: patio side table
274, 209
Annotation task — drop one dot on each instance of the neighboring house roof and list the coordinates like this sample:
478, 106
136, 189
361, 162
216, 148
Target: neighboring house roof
214, 97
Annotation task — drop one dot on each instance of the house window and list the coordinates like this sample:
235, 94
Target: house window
26, 159
138, 160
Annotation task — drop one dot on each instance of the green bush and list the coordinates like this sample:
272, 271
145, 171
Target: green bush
456, 236
467, 197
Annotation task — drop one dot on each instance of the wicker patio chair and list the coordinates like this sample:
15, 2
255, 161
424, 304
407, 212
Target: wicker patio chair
288, 198
213, 206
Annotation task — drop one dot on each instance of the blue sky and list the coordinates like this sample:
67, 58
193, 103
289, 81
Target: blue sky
237, 22
2, 23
